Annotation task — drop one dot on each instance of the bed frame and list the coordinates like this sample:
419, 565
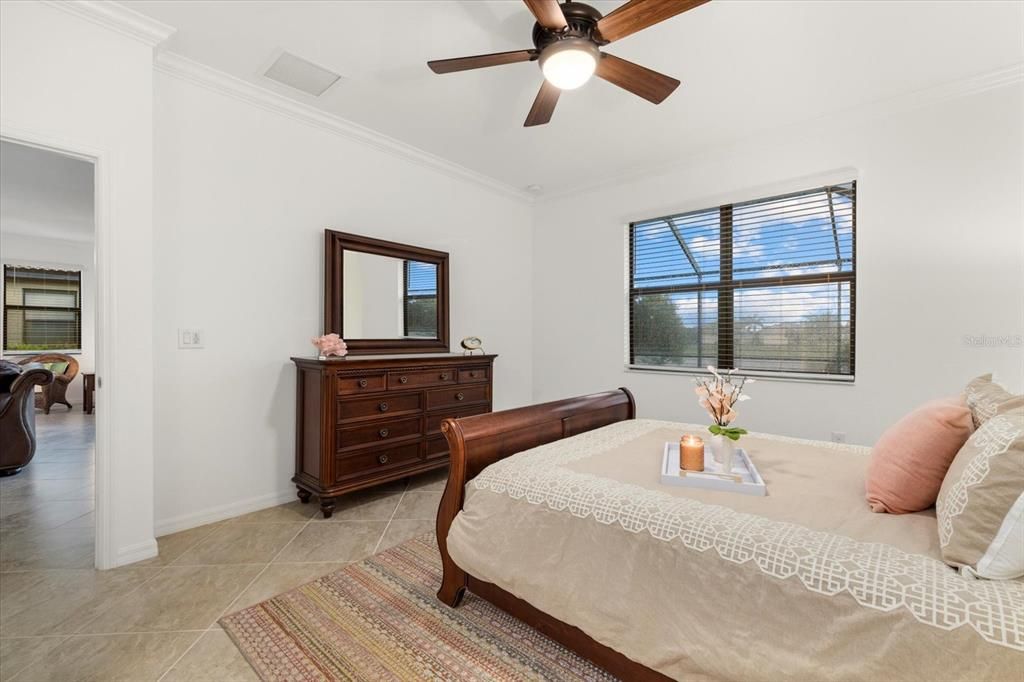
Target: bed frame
475, 443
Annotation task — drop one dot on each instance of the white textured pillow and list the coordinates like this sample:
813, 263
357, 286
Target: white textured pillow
980, 509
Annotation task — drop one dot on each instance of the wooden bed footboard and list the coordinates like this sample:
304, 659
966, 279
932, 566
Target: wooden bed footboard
476, 442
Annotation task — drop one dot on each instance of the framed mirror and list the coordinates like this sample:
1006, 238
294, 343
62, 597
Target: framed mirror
385, 297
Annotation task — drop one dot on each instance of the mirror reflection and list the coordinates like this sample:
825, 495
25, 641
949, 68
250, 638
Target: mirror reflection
388, 298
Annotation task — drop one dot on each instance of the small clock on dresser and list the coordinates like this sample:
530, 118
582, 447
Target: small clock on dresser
472, 343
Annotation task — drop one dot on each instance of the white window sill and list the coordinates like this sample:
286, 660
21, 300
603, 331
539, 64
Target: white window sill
28, 353
753, 374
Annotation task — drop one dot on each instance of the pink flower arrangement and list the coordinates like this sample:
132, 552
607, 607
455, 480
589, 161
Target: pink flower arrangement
718, 396
330, 344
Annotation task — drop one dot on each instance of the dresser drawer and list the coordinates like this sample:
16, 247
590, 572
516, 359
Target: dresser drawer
422, 377
367, 462
474, 375
385, 405
454, 397
437, 447
349, 384
434, 420
378, 432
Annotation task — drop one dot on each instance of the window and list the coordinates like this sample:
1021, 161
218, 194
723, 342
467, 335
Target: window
419, 299
765, 286
42, 309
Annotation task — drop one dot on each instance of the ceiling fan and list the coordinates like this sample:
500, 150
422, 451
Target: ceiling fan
567, 39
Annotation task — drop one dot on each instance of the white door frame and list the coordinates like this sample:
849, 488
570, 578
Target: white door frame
106, 552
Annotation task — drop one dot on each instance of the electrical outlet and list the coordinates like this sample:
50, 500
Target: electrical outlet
190, 338
839, 436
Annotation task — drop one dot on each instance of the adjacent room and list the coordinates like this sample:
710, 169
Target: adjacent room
47, 248
512, 340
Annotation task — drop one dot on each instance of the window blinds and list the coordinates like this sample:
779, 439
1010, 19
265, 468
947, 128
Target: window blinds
765, 285
42, 309
419, 299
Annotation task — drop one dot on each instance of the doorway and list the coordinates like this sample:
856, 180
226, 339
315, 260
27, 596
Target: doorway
48, 251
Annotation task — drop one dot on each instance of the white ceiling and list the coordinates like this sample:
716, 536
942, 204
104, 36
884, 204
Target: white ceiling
745, 67
45, 194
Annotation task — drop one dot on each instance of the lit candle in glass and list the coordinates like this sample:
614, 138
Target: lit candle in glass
691, 453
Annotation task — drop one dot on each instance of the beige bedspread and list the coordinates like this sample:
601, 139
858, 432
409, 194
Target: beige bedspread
803, 584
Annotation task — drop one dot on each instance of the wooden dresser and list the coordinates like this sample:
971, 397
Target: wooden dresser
366, 420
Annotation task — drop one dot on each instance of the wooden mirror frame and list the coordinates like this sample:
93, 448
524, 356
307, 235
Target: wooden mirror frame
335, 245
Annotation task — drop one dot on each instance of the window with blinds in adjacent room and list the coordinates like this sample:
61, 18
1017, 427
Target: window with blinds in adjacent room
419, 299
42, 309
763, 286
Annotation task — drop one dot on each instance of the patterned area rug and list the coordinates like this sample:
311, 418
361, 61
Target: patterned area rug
380, 620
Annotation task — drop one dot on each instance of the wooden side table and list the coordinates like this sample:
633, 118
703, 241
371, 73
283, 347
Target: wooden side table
88, 389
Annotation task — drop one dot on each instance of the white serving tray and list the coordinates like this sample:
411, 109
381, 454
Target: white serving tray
744, 477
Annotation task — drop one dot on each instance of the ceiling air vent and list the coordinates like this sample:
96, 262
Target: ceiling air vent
297, 73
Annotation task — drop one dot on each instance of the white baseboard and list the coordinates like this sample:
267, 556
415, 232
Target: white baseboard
224, 511
140, 551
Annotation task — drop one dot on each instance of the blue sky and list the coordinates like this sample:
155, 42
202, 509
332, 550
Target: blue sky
785, 236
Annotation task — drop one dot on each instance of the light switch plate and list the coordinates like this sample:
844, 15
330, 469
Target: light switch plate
190, 338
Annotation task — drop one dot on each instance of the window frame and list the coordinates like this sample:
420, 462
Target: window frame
726, 286
407, 297
72, 270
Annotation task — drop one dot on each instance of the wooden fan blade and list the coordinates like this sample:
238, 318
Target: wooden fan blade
480, 61
651, 85
548, 13
543, 106
636, 15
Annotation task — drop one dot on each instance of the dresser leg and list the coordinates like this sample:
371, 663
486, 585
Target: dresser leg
327, 507
304, 496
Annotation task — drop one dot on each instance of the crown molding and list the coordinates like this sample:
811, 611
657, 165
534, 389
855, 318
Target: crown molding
878, 109
186, 69
118, 18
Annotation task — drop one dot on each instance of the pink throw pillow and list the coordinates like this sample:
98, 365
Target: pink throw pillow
911, 458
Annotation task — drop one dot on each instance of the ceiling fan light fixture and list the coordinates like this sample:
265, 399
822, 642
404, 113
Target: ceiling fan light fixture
568, 64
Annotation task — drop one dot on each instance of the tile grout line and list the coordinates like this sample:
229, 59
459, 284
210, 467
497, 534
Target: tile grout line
24, 493
31, 662
104, 634
243, 563
156, 574
77, 632
235, 600
384, 532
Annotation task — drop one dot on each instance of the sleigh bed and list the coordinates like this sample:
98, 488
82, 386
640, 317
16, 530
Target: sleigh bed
556, 514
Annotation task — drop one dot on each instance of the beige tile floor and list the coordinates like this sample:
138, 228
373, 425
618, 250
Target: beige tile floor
157, 620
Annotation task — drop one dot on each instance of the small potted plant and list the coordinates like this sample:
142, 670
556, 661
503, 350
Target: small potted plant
718, 396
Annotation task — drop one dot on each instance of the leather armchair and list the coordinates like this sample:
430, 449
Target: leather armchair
17, 413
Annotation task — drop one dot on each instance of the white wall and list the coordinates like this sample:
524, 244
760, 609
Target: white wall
242, 198
20, 249
940, 255
75, 83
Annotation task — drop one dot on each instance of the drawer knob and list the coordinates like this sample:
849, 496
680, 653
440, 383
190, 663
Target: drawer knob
444, 376
384, 433
460, 396
472, 375
383, 407
403, 380
383, 459
363, 383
